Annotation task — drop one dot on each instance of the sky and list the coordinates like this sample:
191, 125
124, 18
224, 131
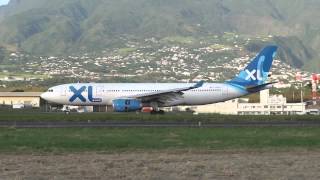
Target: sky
3, 2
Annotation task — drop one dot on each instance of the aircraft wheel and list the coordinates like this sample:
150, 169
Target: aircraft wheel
157, 112
161, 112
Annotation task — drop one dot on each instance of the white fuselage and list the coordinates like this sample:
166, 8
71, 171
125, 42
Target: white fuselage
105, 93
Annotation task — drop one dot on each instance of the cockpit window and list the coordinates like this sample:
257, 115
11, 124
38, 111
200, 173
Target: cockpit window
50, 90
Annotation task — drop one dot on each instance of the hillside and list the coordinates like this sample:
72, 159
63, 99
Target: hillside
69, 26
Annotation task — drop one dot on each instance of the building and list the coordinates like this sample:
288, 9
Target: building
27, 99
228, 107
19, 100
269, 104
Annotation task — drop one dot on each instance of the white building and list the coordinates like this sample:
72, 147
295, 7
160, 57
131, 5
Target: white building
30, 99
274, 104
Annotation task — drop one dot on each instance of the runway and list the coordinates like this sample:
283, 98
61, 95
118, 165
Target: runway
162, 124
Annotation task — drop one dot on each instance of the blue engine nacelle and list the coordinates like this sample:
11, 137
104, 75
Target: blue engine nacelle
126, 105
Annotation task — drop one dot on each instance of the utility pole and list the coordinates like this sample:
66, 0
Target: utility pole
293, 96
300, 81
301, 92
314, 80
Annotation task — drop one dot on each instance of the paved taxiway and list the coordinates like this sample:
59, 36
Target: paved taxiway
137, 124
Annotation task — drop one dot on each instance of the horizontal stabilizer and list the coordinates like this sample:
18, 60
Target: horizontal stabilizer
260, 87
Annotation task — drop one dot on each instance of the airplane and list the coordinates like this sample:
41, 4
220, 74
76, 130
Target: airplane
129, 97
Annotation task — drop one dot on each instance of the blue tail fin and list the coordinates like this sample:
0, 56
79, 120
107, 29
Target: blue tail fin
256, 73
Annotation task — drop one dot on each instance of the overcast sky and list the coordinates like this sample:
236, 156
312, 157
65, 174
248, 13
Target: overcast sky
2, 2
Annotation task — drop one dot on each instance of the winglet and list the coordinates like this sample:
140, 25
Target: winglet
199, 84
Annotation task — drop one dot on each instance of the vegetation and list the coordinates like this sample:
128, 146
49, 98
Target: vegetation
28, 115
79, 140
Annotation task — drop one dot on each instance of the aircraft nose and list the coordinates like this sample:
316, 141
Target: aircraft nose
45, 95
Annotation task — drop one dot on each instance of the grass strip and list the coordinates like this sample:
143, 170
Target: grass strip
106, 139
38, 116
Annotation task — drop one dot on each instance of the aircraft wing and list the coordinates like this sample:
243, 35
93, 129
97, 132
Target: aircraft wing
165, 95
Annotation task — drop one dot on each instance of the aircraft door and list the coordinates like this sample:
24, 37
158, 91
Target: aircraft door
63, 92
99, 91
225, 91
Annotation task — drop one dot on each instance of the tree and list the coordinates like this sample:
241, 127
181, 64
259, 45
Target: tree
2, 54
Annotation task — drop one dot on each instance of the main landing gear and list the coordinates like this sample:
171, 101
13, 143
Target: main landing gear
157, 112
155, 108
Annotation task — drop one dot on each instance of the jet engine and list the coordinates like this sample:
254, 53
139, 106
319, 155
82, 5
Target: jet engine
126, 105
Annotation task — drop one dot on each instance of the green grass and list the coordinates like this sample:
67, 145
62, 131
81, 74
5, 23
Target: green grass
28, 115
23, 75
111, 140
35, 115
126, 51
179, 39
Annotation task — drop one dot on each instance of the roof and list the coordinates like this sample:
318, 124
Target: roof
20, 94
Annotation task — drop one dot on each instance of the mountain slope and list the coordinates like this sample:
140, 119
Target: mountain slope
64, 26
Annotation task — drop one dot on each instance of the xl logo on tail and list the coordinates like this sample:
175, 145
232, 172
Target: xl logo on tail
251, 75
258, 72
77, 94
